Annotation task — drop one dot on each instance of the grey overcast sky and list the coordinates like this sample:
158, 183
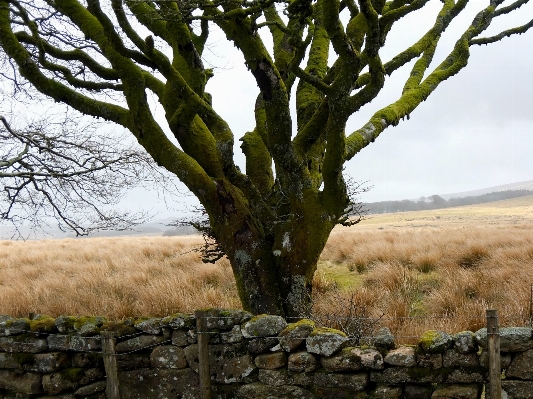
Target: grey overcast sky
474, 131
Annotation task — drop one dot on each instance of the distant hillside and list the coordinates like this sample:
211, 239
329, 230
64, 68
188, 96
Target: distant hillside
439, 202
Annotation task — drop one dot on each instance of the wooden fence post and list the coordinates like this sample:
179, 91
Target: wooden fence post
203, 354
110, 363
493, 346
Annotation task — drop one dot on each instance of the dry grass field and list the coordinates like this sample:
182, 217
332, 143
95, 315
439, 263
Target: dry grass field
411, 271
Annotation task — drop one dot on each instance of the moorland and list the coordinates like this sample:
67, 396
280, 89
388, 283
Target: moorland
409, 271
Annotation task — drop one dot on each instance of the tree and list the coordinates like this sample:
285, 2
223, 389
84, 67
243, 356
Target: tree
47, 177
273, 220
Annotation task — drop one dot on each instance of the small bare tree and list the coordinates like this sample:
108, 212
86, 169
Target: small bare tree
73, 180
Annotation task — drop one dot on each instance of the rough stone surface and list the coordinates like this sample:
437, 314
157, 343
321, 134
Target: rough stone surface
512, 339
23, 343
27, 383
325, 341
370, 358
73, 342
293, 336
505, 359
179, 321
464, 342
150, 326
48, 362
403, 356
456, 392
227, 364
521, 366
140, 342
517, 389
435, 341
386, 392
384, 339
354, 382
431, 360
159, 384
179, 338
452, 358
261, 345
345, 360
226, 319
412, 391
70, 379
168, 356
88, 360
263, 326
133, 361
271, 360
275, 378
91, 389
259, 390
302, 361
464, 376
399, 375
232, 336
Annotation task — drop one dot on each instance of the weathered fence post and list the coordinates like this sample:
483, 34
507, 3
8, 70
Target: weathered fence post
203, 354
110, 363
493, 346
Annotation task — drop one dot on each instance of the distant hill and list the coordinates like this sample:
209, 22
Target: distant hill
525, 185
482, 196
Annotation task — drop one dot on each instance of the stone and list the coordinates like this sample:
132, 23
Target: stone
74, 342
138, 343
179, 321
512, 339
159, 384
258, 390
384, 339
464, 342
452, 358
16, 327
263, 326
386, 392
400, 375
294, 335
434, 341
261, 345
226, 319
403, 356
133, 361
302, 361
521, 366
91, 389
412, 391
47, 362
457, 392
370, 358
505, 359
232, 336
326, 341
464, 376
87, 360
67, 380
228, 364
517, 389
271, 360
65, 324
168, 356
151, 326
345, 360
275, 378
23, 343
354, 382
179, 338
26, 383
430, 360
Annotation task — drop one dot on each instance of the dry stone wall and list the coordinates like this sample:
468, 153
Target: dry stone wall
250, 358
